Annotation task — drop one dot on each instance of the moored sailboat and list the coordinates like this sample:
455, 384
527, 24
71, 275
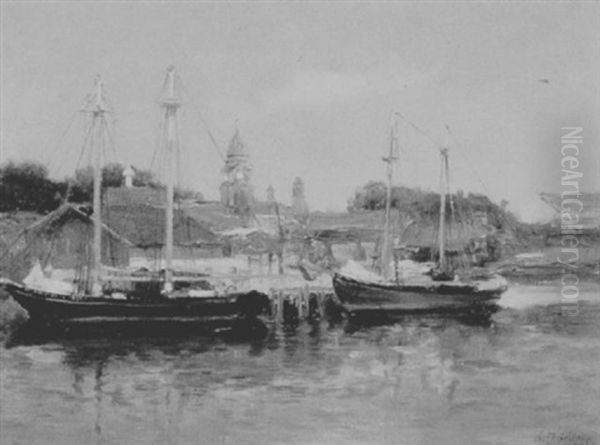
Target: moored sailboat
427, 289
100, 293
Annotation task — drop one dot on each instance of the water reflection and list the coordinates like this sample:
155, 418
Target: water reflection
475, 317
412, 379
31, 333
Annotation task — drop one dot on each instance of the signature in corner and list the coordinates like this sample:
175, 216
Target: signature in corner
564, 438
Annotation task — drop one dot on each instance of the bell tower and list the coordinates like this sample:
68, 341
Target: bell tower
236, 189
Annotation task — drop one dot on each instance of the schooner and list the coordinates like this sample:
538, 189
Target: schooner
437, 290
108, 294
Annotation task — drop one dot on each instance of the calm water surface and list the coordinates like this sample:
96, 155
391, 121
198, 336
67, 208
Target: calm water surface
528, 375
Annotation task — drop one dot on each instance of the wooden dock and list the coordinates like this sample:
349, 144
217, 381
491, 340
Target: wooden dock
301, 303
292, 298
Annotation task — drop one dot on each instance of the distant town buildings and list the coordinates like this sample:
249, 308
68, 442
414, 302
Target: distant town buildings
136, 210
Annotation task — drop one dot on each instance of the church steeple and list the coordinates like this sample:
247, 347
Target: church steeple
237, 160
236, 189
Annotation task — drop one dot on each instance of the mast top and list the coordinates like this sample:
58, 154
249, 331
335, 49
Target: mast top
170, 95
96, 101
444, 150
393, 153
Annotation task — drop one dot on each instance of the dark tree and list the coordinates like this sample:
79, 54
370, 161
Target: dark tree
26, 186
112, 175
144, 178
425, 205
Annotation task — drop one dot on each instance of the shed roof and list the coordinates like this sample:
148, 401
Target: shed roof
65, 213
145, 227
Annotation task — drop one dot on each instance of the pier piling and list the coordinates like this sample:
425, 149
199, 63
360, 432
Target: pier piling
299, 304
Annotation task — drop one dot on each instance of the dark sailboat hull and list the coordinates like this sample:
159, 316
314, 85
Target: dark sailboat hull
49, 308
359, 296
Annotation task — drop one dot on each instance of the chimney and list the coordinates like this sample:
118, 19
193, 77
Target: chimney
128, 174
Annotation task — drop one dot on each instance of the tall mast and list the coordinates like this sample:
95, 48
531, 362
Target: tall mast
443, 192
96, 106
386, 248
170, 102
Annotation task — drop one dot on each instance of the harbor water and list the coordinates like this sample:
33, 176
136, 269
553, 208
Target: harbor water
528, 374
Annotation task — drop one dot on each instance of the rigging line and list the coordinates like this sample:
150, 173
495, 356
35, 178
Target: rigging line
104, 154
103, 150
21, 234
110, 131
85, 145
158, 140
163, 89
449, 195
177, 148
435, 234
61, 160
48, 255
416, 127
195, 108
61, 138
81, 153
475, 172
106, 98
473, 169
84, 105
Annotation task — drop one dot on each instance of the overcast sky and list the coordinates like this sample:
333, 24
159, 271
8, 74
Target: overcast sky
312, 87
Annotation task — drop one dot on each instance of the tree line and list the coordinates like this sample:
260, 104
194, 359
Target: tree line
425, 205
27, 186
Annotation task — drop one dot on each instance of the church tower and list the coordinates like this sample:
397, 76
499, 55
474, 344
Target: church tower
236, 189
299, 206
